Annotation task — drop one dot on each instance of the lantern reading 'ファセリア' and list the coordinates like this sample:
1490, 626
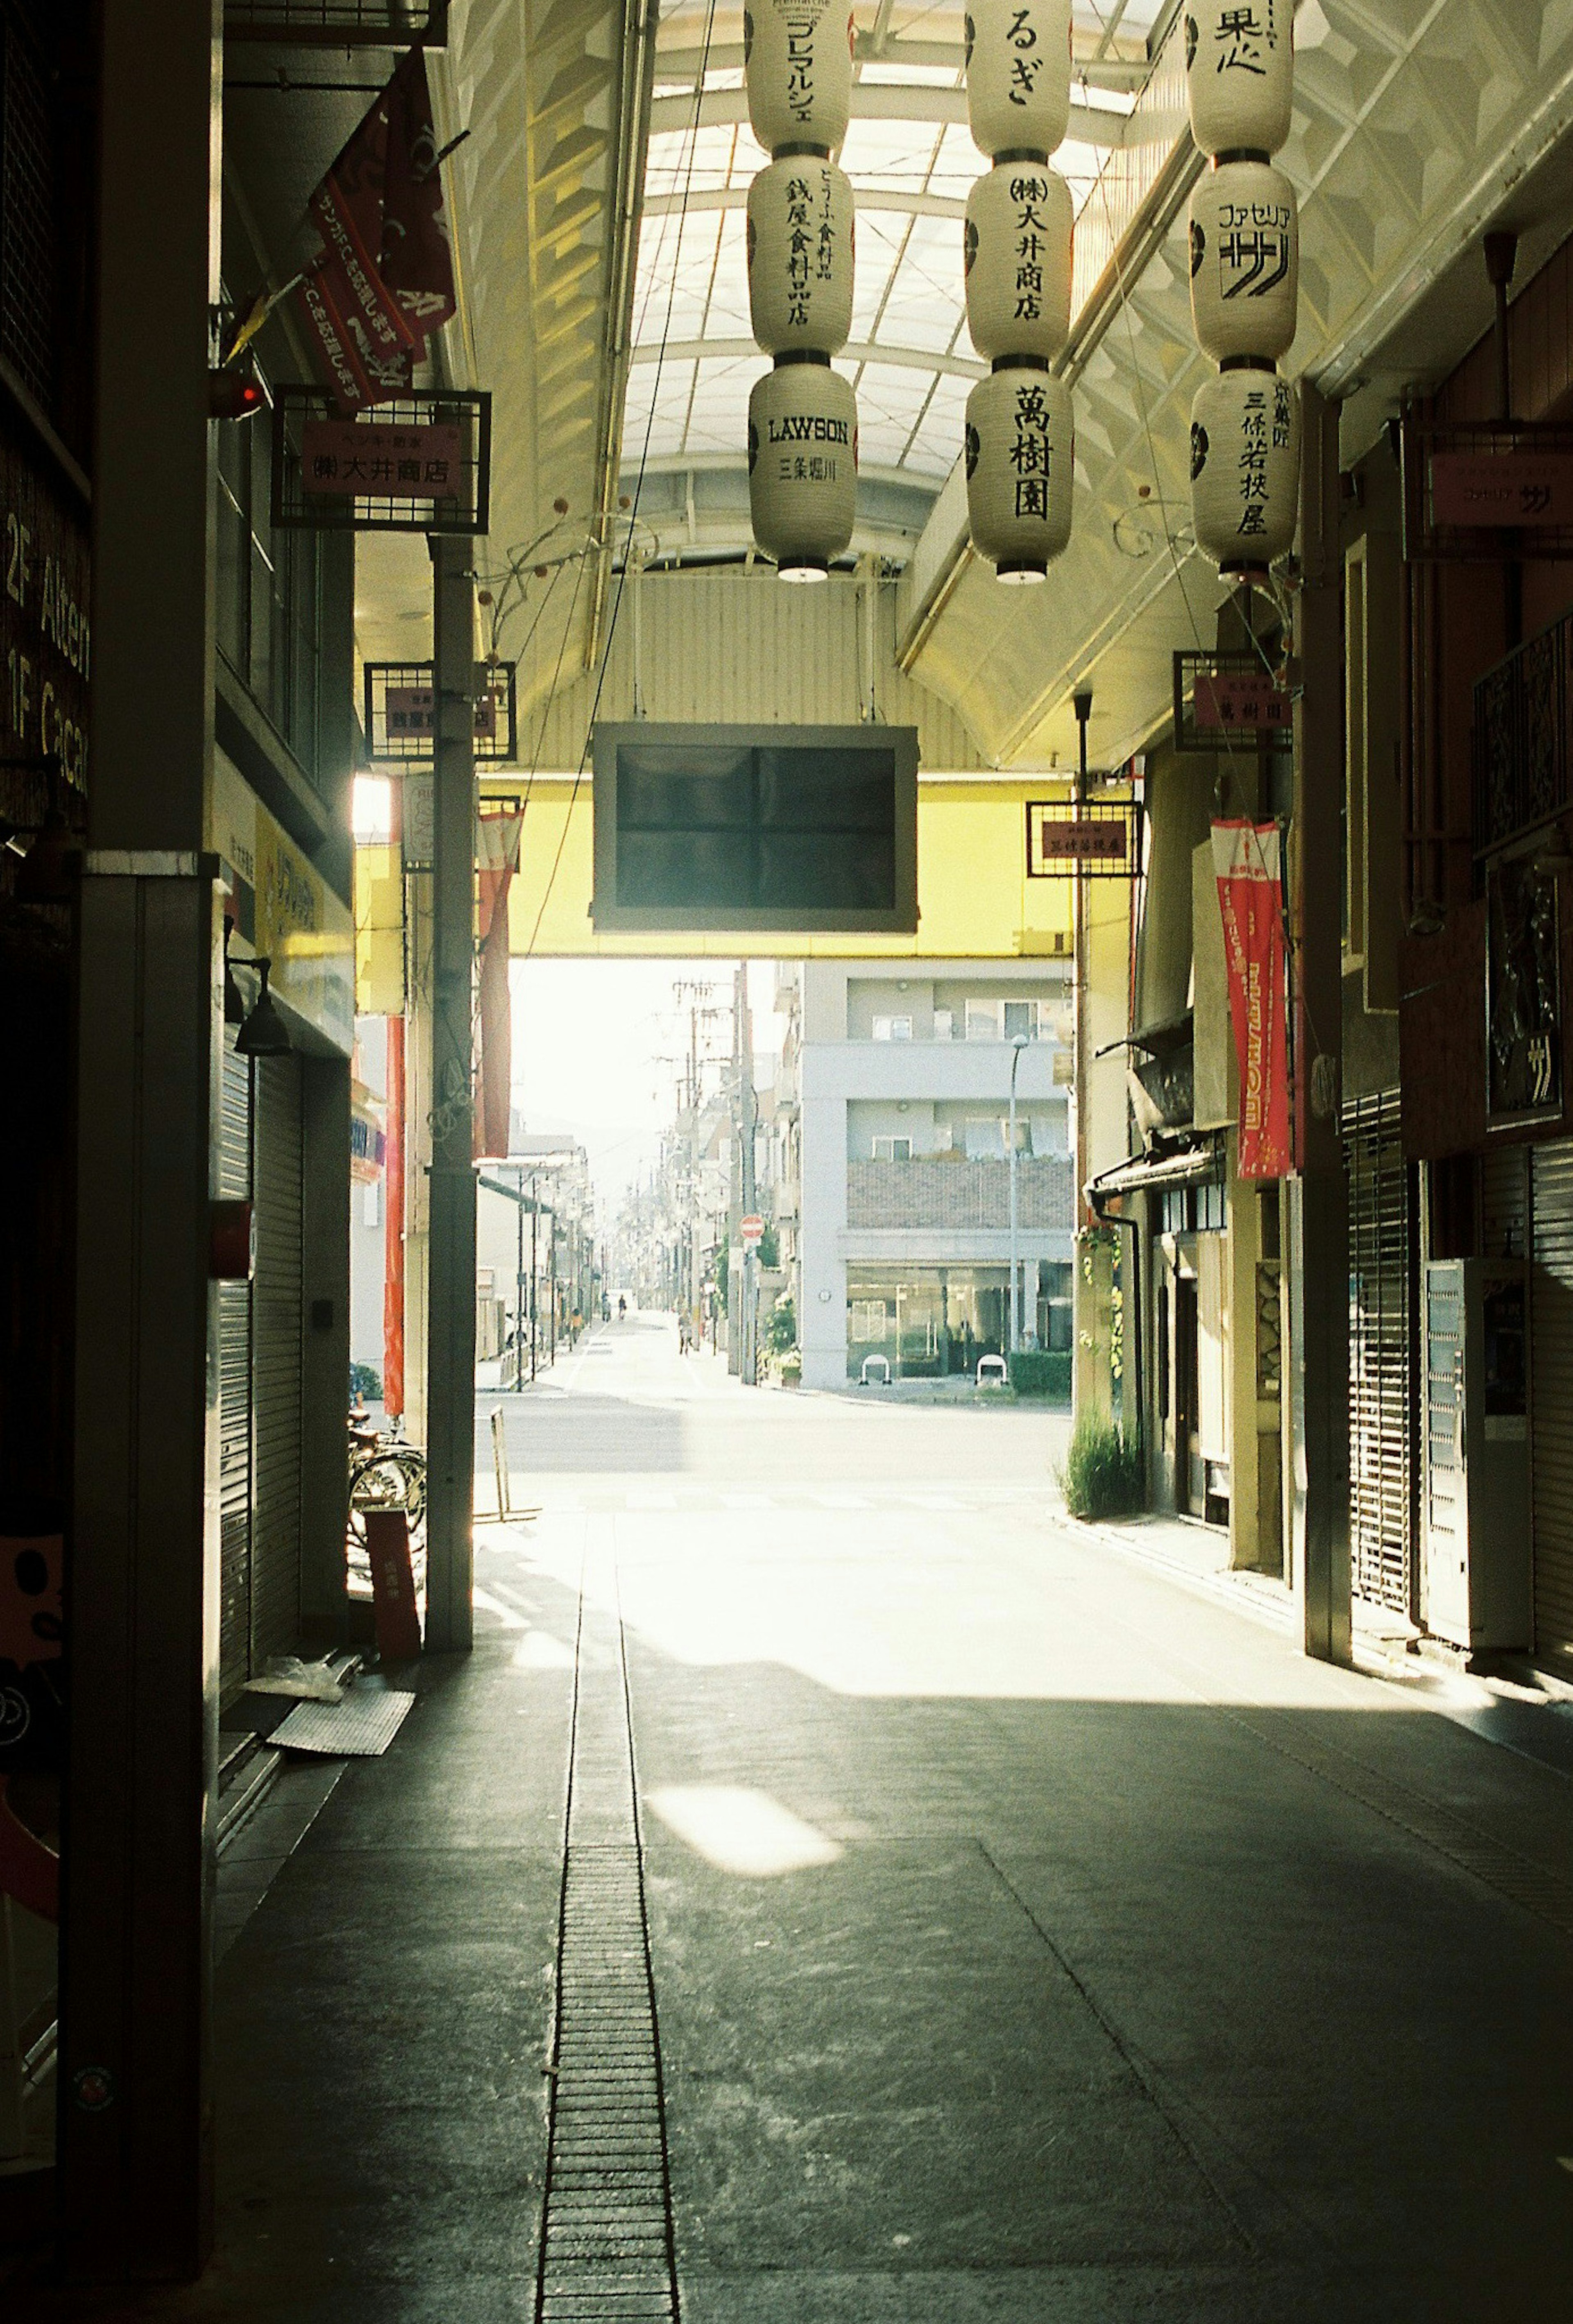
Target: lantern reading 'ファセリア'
1244, 261
800, 256
1021, 455
1244, 468
802, 466
798, 65
1018, 75
1020, 222
1239, 73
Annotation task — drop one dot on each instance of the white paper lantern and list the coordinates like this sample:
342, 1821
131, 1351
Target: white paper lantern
1244, 468
1020, 223
1239, 73
1018, 75
800, 256
802, 466
798, 66
1021, 458
1244, 261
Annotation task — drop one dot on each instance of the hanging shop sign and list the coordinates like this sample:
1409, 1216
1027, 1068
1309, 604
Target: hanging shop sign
1244, 468
1018, 75
801, 255
802, 466
1099, 841
420, 464
1487, 489
797, 62
44, 631
1244, 261
1228, 697
1524, 996
1018, 254
401, 712
1248, 863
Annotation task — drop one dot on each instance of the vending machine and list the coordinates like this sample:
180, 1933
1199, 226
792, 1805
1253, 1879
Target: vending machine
1474, 1485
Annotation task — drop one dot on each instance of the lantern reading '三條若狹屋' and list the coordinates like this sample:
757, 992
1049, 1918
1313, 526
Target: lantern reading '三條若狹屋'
1245, 468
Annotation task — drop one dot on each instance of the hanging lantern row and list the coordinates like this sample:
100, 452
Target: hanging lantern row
802, 416
1020, 440
1244, 281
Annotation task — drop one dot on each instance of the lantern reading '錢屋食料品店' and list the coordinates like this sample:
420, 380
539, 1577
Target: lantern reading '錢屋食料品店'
800, 256
802, 464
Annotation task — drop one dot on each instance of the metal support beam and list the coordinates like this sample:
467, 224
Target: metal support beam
136, 2096
450, 1343
1321, 1298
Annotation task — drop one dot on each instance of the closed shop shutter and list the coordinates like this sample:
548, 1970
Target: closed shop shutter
275, 1578
233, 1394
1381, 1530
1552, 1378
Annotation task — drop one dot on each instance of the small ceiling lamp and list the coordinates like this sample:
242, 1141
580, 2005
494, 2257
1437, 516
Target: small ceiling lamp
264, 1033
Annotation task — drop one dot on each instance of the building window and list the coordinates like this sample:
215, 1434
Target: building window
892, 1149
944, 1024
892, 1029
982, 1020
869, 1320
1021, 1020
371, 1207
986, 1141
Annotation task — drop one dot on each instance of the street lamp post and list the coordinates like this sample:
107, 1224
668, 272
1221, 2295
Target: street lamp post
1017, 1045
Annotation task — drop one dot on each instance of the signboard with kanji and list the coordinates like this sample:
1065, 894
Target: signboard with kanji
1231, 700
417, 463
1487, 489
401, 712
1099, 841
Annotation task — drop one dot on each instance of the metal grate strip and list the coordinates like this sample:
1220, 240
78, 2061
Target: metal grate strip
606, 2238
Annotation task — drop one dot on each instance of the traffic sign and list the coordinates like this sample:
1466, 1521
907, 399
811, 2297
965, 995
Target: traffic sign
752, 1230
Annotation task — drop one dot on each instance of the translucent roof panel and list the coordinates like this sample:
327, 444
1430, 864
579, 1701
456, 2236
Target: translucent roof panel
910, 355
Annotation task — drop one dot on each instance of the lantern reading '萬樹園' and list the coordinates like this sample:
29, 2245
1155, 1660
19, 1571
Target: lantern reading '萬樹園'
1021, 455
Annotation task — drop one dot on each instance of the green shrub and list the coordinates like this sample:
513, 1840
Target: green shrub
364, 1380
781, 1331
1102, 1473
1041, 1372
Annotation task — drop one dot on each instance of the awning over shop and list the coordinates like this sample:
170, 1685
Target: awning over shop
1189, 1166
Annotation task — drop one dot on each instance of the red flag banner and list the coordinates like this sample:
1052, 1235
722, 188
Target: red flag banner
383, 277
1248, 862
498, 851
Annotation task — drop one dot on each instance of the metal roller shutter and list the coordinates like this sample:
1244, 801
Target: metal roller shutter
1381, 1467
234, 1395
275, 1577
1552, 1391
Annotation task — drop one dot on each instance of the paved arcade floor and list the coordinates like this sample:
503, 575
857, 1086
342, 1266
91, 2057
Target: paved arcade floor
1033, 1937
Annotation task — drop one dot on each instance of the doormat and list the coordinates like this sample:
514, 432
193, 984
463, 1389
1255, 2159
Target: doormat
360, 1727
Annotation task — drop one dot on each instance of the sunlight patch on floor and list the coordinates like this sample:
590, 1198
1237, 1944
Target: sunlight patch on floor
741, 1830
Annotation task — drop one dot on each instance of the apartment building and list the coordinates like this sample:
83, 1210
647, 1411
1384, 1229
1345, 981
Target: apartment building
892, 1142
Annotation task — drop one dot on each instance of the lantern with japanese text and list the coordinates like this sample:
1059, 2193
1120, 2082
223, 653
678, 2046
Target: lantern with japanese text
1018, 75
1020, 223
1239, 74
1245, 468
798, 65
1244, 261
802, 464
1021, 455
800, 256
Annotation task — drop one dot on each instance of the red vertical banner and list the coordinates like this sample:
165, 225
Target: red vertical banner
498, 859
1248, 861
393, 1229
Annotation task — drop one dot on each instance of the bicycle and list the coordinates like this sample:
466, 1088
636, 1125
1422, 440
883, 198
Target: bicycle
385, 1474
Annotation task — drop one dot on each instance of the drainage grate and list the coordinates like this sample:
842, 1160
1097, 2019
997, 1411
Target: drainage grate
606, 2239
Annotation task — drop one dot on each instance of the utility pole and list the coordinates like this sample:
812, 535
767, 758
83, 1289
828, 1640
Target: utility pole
518, 1289
748, 1363
534, 1273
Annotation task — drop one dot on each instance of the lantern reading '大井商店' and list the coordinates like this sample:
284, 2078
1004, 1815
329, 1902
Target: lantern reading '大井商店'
802, 416
1244, 468
800, 256
1021, 455
1018, 75
1019, 228
802, 464
1244, 261
797, 64
1239, 74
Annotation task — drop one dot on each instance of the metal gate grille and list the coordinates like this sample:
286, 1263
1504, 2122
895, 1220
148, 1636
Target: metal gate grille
1551, 1379
28, 264
275, 1576
234, 1395
1381, 1355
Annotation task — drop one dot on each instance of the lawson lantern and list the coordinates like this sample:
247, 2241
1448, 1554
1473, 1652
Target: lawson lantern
1020, 454
802, 464
800, 256
1244, 468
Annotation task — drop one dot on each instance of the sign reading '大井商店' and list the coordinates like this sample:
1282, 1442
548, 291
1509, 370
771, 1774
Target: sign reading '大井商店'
45, 633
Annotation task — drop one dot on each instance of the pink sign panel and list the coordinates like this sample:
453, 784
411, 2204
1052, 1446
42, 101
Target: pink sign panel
377, 460
1501, 488
1248, 699
1101, 839
409, 713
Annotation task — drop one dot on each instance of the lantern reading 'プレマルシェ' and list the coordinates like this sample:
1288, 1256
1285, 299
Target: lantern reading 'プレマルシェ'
1018, 75
1020, 456
1239, 74
802, 464
800, 256
1244, 468
1019, 226
1244, 261
797, 60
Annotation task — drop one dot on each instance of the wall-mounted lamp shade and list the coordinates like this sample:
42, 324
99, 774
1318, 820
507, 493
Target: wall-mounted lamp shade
264, 1033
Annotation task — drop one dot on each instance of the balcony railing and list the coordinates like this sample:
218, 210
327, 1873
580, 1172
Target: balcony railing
945, 1192
1521, 745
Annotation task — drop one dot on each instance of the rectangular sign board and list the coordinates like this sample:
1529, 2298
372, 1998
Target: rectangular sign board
419, 463
400, 721
801, 829
1228, 699
1062, 838
1501, 488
